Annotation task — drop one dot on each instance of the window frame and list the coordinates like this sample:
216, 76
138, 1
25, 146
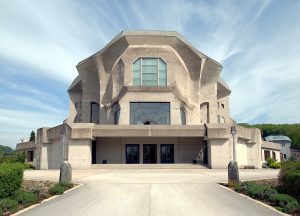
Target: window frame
133, 102
141, 71
183, 115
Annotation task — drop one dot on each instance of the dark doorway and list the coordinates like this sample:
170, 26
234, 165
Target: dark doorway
205, 152
267, 155
132, 153
94, 152
149, 153
167, 153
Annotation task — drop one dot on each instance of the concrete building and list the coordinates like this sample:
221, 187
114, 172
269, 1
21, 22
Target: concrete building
285, 145
29, 148
270, 150
148, 97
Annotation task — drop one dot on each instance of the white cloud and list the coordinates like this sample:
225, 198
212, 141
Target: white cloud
16, 124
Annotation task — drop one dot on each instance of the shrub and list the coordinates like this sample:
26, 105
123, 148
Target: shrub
272, 163
289, 179
65, 185
275, 165
8, 205
285, 202
56, 190
11, 176
20, 157
26, 198
257, 191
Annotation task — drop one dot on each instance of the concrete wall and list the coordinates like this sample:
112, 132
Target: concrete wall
109, 149
241, 152
51, 155
189, 149
80, 154
219, 153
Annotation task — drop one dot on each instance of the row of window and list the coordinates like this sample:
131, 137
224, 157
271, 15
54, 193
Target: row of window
140, 113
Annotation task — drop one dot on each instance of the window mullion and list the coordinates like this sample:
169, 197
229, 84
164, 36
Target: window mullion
141, 72
158, 71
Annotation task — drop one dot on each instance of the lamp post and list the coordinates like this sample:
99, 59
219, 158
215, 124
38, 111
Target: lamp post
63, 144
233, 169
65, 168
233, 132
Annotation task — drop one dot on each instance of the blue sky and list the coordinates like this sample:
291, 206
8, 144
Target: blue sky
257, 42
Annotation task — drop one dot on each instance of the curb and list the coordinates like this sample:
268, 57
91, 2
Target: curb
44, 201
256, 201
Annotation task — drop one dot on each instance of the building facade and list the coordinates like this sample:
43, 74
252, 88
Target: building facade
148, 97
270, 150
29, 148
285, 145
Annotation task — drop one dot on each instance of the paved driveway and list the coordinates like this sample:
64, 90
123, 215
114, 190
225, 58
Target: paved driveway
152, 192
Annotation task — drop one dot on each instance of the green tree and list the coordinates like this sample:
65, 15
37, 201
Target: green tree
32, 136
5, 150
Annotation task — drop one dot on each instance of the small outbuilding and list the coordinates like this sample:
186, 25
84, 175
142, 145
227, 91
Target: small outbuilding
270, 150
29, 148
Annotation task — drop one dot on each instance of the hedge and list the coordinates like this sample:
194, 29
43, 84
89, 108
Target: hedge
11, 175
289, 179
284, 202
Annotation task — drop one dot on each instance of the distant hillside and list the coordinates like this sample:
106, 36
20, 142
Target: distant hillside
290, 130
5, 150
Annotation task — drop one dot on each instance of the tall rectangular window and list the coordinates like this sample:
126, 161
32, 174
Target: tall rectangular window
149, 72
137, 73
162, 73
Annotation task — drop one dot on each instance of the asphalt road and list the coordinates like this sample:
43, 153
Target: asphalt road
155, 192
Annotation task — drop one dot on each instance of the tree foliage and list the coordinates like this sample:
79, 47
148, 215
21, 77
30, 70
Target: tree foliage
32, 136
290, 130
5, 150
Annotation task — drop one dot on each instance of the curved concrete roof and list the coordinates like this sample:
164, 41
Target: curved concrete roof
277, 138
152, 33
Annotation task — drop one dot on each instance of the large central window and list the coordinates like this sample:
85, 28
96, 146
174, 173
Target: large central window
149, 72
150, 113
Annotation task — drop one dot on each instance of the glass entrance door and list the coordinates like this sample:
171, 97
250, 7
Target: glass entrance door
149, 153
132, 153
167, 153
